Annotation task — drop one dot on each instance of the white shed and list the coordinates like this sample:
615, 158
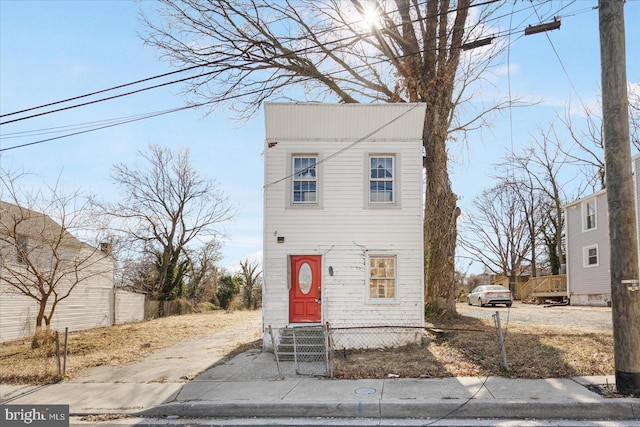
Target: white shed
343, 218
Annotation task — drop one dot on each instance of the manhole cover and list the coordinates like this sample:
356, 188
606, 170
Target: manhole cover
365, 390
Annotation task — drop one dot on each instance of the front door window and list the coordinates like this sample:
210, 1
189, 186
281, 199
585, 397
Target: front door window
305, 296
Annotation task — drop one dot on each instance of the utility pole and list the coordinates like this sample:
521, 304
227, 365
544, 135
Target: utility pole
623, 234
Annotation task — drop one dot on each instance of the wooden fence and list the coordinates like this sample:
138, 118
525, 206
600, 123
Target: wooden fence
155, 309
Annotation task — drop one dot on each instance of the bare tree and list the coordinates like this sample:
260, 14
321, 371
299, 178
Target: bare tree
251, 286
41, 258
543, 170
497, 235
203, 274
634, 115
165, 206
245, 52
588, 152
136, 273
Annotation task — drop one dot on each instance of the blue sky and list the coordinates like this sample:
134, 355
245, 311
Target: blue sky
52, 50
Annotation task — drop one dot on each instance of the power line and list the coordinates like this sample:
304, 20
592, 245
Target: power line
107, 90
130, 119
353, 144
555, 51
134, 119
102, 99
280, 56
125, 120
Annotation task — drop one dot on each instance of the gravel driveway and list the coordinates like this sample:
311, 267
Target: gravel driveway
598, 318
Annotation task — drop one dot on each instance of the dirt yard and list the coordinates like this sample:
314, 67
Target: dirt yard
124, 344
540, 343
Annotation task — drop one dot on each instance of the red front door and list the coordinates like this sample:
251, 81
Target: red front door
306, 289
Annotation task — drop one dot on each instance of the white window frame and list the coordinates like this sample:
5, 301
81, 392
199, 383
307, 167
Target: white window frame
395, 181
586, 215
294, 179
585, 256
370, 278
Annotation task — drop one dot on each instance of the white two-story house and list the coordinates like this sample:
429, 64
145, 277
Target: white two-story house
343, 217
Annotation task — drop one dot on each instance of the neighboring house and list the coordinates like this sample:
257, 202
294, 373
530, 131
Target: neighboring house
588, 254
343, 218
588, 246
92, 303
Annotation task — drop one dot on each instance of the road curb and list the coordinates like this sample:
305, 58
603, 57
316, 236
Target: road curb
611, 409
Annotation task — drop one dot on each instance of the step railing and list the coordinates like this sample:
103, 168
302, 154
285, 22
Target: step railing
307, 347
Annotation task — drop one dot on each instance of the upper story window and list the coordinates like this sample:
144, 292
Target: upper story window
381, 179
590, 214
305, 180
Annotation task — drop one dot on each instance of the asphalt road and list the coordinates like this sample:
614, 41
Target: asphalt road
598, 318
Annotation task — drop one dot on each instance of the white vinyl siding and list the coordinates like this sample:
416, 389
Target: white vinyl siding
89, 305
582, 278
344, 231
129, 307
93, 302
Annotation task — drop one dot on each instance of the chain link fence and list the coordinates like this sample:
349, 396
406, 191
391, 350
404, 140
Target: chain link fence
372, 337
311, 351
312, 348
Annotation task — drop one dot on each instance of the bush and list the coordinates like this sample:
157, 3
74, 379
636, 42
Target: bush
227, 287
44, 338
205, 306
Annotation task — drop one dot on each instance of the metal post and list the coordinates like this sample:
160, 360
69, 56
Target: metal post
66, 340
275, 349
295, 351
58, 353
496, 316
327, 350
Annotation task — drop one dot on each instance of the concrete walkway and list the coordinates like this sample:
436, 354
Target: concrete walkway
193, 380
250, 385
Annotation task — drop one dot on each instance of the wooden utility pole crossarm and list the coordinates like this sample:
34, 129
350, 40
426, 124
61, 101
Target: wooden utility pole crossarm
623, 234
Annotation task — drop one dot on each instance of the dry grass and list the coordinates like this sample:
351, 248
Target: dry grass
469, 347
466, 347
117, 345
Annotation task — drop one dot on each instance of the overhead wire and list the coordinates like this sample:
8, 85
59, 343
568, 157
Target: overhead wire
348, 147
297, 51
129, 119
155, 114
564, 68
108, 89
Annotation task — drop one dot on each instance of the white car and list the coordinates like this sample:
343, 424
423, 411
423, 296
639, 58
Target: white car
490, 295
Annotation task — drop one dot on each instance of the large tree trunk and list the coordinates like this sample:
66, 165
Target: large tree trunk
440, 227
441, 58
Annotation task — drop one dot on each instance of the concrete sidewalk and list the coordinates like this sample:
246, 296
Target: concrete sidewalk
250, 385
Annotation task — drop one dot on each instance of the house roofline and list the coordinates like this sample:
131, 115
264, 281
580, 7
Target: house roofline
582, 199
